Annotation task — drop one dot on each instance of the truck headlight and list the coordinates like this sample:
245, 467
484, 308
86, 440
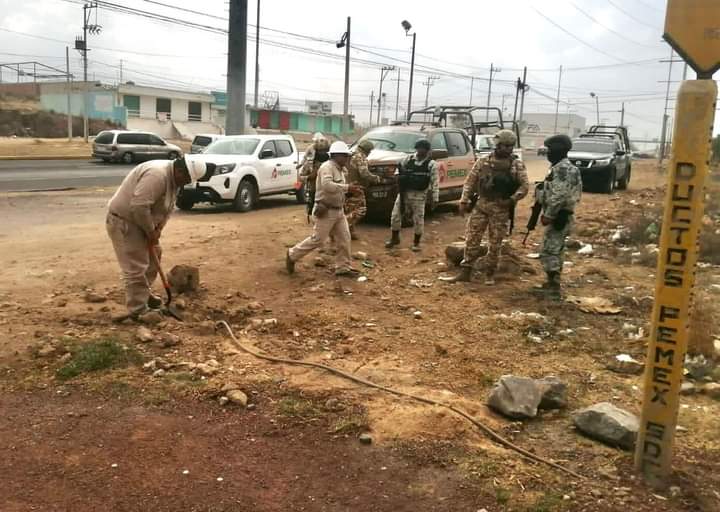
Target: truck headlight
224, 169
605, 161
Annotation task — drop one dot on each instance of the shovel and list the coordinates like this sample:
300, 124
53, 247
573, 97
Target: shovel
167, 310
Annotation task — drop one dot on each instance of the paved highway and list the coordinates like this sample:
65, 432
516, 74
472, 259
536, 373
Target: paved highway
25, 175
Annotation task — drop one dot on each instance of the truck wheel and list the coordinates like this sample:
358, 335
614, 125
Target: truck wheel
184, 202
300, 195
609, 185
128, 158
172, 155
245, 197
622, 183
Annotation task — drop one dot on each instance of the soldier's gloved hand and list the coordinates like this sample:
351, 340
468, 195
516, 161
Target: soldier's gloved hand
545, 221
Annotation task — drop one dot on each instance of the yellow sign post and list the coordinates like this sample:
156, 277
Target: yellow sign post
692, 27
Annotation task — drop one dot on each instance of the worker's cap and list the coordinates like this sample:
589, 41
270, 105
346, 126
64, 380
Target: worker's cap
339, 148
559, 143
196, 169
366, 145
423, 144
506, 137
317, 136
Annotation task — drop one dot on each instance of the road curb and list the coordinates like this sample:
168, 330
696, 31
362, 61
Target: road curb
43, 157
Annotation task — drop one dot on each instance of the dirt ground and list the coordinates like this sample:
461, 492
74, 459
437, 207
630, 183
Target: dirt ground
123, 439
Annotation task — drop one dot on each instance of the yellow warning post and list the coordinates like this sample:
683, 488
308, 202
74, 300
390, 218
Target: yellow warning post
684, 205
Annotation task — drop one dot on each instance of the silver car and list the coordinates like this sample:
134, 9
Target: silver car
130, 146
203, 140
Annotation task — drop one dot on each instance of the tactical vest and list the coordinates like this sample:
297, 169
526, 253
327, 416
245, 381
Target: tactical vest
499, 183
414, 176
320, 158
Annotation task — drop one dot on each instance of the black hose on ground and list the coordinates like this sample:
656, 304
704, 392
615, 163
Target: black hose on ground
487, 430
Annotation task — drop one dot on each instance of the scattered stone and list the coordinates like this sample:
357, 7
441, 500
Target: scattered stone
65, 358
46, 350
320, 261
151, 318
573, 244
270, 322
251, 407
586, 250
608, 424
255, 306
698, 366
360, 255
229, 387
333, 404
441, 349
675, 491
184, 278
365, 439
94, 298
237, 397
255, 323
688, 388
515, 397
629, 328
206, 369
534, 338
144, 335
150, 366
456, 251
169, 340
204, 328
624, 363
712, 389
159, 373
180, 303
554, 393
223, 400
417, 315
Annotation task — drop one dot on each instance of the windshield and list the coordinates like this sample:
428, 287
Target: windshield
591, 146
485, 144
232, 147
394, 141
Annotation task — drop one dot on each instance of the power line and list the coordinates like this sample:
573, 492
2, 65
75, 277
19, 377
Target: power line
631, 16
619, 34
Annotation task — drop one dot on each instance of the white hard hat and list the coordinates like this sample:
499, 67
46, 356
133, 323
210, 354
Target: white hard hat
196, 169
317, 136
339, 148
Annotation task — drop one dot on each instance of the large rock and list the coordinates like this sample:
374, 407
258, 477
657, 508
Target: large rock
609, 424
515, 397
456, 251
554, 393
184, 278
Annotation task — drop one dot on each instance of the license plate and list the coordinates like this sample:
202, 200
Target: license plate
379, 194
456, 173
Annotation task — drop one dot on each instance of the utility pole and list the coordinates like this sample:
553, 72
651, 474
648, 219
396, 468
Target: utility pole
257, 56
346, 97
237, 67
407, 26
525, 89
82, 46
472, 84
69, 93
557, 101
622, 114
372, 100
430, 82
397, 98
121, 71
383, 74
492, 71
663, 134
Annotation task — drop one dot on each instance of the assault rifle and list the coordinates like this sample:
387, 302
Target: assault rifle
536, 210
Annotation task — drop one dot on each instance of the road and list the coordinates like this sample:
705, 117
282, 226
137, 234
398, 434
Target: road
42, 175
30, 175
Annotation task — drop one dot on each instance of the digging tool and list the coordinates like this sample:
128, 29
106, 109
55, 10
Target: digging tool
155, 260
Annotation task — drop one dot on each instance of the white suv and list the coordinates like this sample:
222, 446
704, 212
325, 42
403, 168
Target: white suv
248, 166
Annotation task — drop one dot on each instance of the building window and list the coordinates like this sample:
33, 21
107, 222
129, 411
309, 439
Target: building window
163, 108
132, 104
194, 111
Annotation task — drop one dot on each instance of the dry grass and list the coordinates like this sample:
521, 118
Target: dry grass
703, 327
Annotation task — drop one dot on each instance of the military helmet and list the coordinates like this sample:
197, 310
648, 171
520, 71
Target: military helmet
317, 136
322, 144
559, 142
505, 137
366, 145
423, 144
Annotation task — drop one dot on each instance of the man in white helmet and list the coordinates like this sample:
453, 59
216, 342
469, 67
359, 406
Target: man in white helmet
330, 190
137, 214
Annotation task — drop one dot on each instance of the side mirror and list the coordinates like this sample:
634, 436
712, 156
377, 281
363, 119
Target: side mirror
620, 152
267, 153
439, 154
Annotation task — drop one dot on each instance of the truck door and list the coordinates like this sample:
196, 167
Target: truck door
286, 159
268, 168
460, 158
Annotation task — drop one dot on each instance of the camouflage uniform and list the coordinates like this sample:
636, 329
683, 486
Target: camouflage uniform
358, 174
562, 191
491, 211
415, 200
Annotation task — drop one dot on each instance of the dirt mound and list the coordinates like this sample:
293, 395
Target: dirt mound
45, 124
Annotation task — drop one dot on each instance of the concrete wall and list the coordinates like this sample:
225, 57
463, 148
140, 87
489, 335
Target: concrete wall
23, 90
101, 103
164, 129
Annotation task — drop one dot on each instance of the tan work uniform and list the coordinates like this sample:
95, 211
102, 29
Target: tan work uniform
330, 194
142, 204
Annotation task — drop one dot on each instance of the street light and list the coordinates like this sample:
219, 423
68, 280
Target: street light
407, 26
597, 106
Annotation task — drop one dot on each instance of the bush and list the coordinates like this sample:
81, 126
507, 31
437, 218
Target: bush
96, 356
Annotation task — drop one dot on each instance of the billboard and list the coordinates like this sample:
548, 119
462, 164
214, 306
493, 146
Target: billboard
319, 107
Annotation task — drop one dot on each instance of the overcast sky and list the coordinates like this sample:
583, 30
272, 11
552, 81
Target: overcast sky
609, 47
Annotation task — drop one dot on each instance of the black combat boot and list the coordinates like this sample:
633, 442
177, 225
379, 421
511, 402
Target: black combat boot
416, 243
394, 240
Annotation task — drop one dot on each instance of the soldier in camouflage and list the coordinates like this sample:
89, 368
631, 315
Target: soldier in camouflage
561, 192
417, 177
497, 182
315, 155
360, 175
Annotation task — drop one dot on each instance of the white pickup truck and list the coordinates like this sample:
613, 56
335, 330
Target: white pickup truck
248, 167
